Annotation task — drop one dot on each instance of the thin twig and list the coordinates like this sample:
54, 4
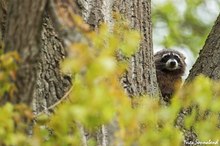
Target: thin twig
55, 104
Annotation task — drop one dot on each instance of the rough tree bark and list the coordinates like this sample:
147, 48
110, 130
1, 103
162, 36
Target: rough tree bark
3, 15
29, 32
141, 76
51, 85
22, 35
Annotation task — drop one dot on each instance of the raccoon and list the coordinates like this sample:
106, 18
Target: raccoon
170, 67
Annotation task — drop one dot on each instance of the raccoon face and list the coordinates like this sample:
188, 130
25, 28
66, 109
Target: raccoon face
170, 61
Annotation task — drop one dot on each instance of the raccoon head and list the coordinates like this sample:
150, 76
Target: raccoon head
170, 61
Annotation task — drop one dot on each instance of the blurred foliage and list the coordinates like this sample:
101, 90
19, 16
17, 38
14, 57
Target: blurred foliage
183, 23
97, 98
8, 66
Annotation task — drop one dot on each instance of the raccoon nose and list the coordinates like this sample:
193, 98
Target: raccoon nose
172, 63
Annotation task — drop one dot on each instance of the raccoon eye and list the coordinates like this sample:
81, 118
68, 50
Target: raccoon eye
165, 58
177, 58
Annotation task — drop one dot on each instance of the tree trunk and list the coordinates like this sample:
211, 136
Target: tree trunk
141, 76
30, 32
51, 85
3, 14
209, 57
22, 35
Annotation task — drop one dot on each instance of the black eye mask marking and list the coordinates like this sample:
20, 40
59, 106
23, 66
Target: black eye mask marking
165, 58
177, 58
